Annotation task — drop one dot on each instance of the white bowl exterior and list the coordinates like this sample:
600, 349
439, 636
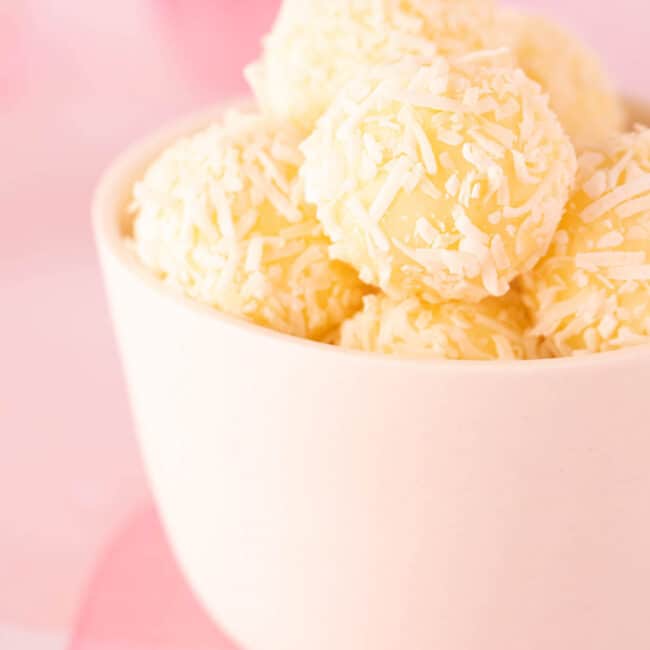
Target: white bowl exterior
324, 500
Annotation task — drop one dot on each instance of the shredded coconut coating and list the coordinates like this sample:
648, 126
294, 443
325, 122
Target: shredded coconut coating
316, 46
591, 293
581, 91
221, 215
494, 329
443, 181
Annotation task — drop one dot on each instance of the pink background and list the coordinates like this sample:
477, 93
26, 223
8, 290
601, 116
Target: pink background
78, 81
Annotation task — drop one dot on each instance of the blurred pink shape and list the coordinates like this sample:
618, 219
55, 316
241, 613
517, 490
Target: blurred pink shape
217, 38
12, 52
138, 599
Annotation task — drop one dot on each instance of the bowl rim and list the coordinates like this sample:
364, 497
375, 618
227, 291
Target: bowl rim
119, 177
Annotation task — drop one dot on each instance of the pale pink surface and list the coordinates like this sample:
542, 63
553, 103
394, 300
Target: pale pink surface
78, 81
94, 77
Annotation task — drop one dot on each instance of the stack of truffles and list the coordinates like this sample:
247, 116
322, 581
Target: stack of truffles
428, 178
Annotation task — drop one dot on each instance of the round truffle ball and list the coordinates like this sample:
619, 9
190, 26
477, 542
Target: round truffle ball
221, 215
492, 329
444, 181
580, 90
315, 47
591, 293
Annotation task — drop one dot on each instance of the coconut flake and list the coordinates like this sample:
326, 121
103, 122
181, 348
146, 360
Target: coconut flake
389, 191
609, 259
614, 198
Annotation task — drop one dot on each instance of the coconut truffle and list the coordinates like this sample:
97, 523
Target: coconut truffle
443, 181
492, 329
580, 90
221, 215
591, 293
317, 46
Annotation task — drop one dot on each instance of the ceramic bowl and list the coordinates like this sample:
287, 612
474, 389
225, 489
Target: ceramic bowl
321, 499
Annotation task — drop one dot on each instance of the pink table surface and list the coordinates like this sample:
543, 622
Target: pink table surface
78, 81
137, 598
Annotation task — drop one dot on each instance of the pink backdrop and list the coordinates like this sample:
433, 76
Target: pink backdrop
78, 81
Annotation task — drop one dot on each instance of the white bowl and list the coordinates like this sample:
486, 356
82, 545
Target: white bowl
319, 499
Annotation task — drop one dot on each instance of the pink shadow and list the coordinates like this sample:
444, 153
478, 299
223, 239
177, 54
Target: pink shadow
138, 599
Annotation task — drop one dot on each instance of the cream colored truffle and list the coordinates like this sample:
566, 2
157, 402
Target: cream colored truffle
591, 293
444, 181
317, 46
492, 329
580, 89
221, 215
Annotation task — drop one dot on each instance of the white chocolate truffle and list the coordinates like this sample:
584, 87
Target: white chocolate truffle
221, 215
492, 329
581, 92
444, 181
316, 46
591, 293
